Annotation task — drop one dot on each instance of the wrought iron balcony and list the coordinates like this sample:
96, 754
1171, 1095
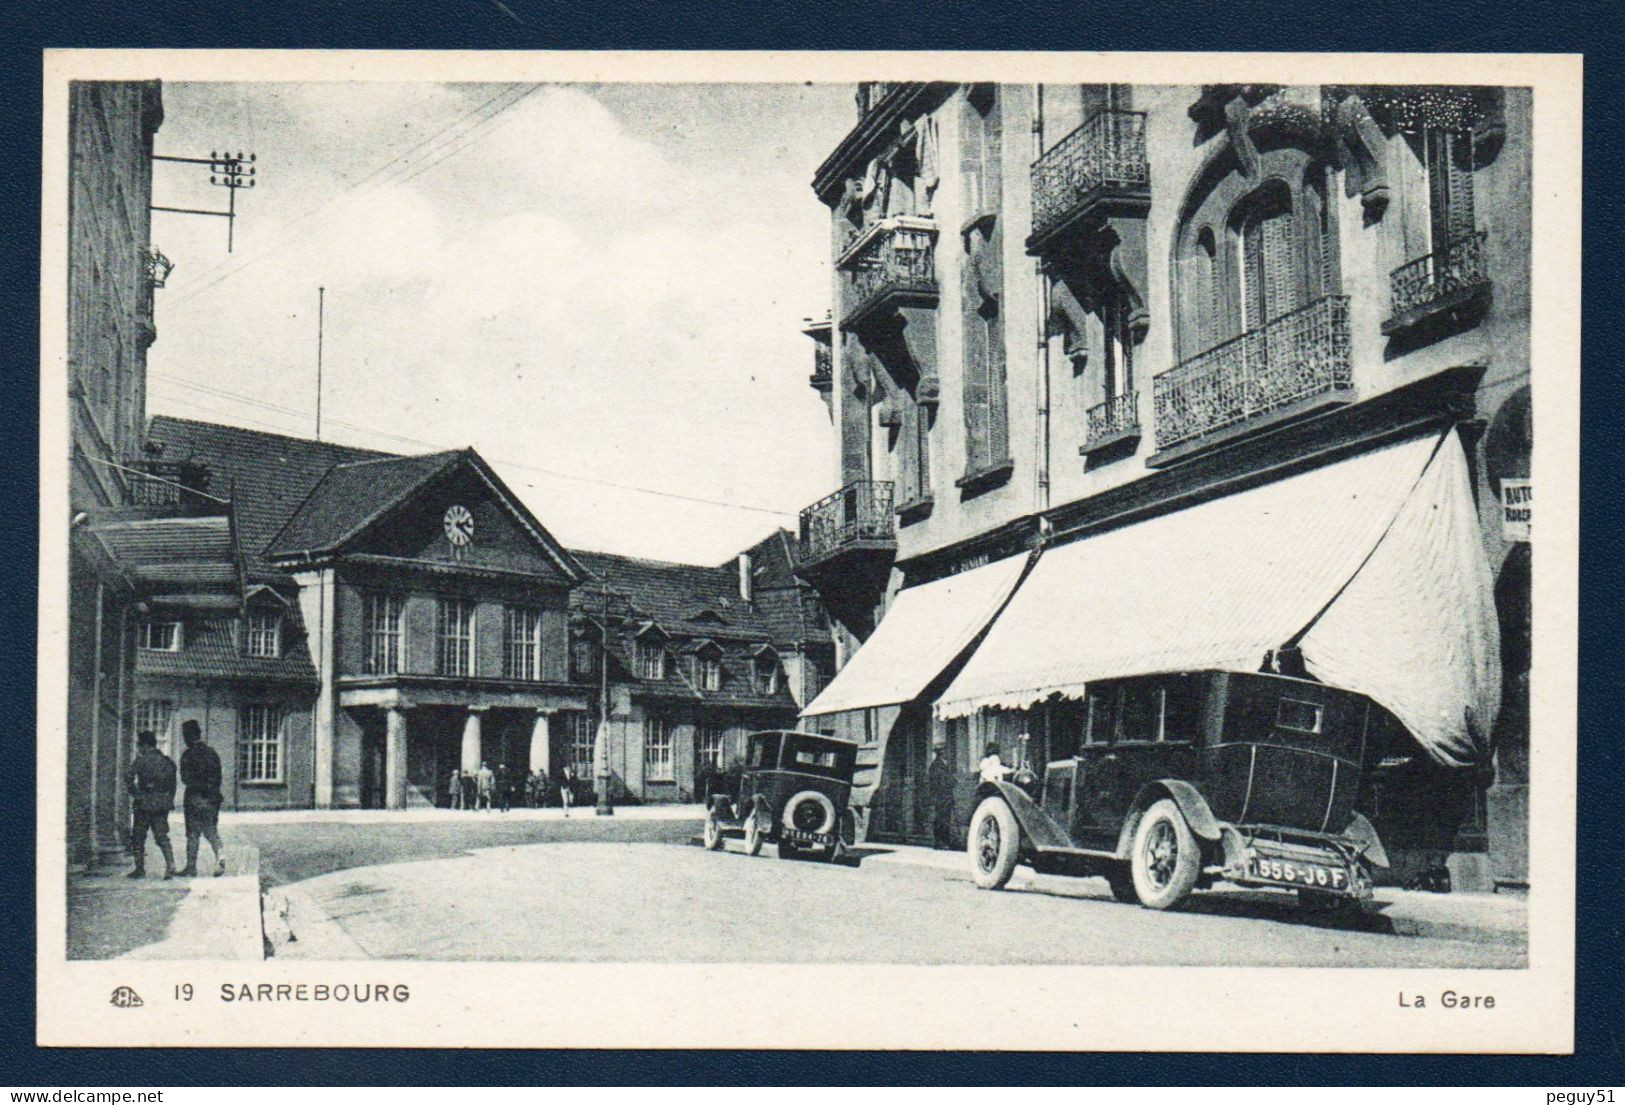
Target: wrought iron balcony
1290, 363
858, 517
1117, 419
891, 262
1103, 159
870, 93
1444, 280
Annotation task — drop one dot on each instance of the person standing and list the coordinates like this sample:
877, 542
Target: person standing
940, 778
567, 782
485, 784
504, 787
150, 781
454, 790
200, 774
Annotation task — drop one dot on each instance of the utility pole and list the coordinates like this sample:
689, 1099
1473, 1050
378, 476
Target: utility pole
600, 744
321, 301
225, 171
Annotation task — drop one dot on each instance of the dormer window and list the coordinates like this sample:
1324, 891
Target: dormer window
651, 658
767, 672
708, 668
159, 636
262, 634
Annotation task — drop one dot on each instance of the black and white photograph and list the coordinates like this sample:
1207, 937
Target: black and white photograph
711, 528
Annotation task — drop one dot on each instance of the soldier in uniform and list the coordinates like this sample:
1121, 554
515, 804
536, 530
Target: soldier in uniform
151, 783
200, 772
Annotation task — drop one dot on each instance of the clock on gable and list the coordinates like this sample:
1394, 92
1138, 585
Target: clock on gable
459, 525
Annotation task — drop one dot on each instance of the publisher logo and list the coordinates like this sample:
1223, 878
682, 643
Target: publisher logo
126, 998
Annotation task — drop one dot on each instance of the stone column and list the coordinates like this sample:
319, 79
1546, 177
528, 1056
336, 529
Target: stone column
395, 758
539, 745
471, 741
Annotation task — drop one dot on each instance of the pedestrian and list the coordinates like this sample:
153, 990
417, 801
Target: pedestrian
469, 788
150, 781
992, 769
485, 784
940, 777
567, 780
538, 789
504, 787
200, 807
454, 789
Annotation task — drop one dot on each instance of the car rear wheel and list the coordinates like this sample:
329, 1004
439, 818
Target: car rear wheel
994, 844
1165, 860
753, 834
713, 832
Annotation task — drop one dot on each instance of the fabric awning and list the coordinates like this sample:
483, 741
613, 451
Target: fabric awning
923, 631
1389, 539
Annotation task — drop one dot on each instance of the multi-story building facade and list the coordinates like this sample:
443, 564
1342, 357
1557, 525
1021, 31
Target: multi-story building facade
1062, 312
138, 538
404, 617
698, 656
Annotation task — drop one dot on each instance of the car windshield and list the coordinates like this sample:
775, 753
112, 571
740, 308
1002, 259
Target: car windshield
818, 757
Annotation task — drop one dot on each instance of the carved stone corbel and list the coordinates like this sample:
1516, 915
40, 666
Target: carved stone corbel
1127, 265
1361, 146
1235, 123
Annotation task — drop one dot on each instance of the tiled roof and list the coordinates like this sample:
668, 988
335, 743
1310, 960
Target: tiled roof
209, 651
676, 596
351, 496
267, 475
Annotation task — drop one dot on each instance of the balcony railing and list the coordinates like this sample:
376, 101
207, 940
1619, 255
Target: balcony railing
870, 93
859, 512
1300, 355
1444, 278
1116, 418
1106, 153
170, 484
894, 258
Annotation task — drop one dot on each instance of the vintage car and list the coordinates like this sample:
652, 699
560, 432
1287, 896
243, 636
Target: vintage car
792, 793
1176, 781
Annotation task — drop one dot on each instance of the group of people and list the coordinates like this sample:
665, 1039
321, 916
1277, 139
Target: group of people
501, 789
150, 780
941, 779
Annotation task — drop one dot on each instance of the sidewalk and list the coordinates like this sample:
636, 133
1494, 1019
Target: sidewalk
1474, 918
431, 815
114, 917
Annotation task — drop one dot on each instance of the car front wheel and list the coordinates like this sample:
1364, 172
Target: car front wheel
753, 834
1166, 859
713, 832
994, 844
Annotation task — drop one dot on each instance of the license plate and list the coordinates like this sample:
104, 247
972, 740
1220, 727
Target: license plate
1308, 875
802, 837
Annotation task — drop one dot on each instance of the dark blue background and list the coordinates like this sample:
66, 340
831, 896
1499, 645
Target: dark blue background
1416, 25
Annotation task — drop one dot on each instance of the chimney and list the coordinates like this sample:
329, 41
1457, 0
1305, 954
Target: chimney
747, 583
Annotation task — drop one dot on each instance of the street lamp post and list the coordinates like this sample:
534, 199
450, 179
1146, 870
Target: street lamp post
600, 742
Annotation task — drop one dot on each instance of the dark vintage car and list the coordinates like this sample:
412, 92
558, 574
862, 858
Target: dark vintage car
1183, 779
792, 793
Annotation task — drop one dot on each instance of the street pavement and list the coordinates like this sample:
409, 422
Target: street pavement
591, 890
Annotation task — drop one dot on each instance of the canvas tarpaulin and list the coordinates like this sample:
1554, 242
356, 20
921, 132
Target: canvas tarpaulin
925, 628
1374, 561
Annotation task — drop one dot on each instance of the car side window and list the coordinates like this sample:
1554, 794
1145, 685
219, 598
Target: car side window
1182, 708
1140, 720
1102, 699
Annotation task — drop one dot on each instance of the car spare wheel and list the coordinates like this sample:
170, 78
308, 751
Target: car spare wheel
713, 832
753, 834
1165, 859
994, 843
811, 811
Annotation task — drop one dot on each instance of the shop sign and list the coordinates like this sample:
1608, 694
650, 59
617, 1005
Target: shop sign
1516, 506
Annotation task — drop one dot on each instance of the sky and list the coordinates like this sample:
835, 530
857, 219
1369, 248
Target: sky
592, 285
